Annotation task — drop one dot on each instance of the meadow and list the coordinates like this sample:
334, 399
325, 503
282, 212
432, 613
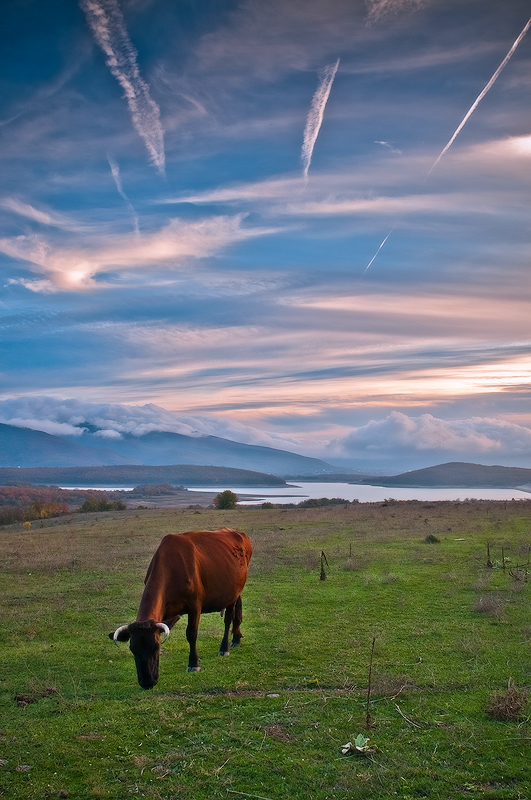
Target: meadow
431, 598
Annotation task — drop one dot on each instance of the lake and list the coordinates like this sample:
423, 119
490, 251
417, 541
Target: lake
295, 493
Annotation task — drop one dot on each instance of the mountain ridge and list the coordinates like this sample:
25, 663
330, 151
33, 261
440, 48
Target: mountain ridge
137, 474
25, 447
457, 475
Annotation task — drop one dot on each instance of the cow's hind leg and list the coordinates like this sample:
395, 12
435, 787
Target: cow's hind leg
191, 635
229, 616
236, 632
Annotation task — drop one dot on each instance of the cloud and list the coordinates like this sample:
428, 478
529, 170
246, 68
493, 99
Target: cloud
380, 9
115, 172
74, 269
492, 180
314, 119
28, 211
390, 146
68, 418
108, 27
414, 203
268, 189
449, 309
267, 39
399, 438
402, 434
46, 425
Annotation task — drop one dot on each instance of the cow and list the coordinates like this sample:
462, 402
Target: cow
191, 573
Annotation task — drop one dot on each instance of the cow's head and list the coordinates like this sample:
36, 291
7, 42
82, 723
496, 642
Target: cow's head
144, 643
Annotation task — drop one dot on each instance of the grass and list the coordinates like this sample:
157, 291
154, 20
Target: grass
451, 634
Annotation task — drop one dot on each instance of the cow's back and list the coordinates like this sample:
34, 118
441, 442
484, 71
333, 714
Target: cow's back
227, 546
208, 568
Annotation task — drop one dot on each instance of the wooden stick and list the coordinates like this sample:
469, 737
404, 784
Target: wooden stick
415, 724
368, 720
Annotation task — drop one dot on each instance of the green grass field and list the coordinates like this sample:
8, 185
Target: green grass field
269, 721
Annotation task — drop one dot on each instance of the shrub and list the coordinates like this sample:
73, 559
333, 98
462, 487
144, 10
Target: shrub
45, 510
94, 503
507, 706
10, 514
225, 500
318, 502
492, 605
37, 510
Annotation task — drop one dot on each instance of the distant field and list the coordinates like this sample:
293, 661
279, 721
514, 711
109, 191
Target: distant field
451, 628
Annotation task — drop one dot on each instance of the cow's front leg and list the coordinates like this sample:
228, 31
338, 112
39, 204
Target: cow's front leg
191, 635
236, 632
224, 646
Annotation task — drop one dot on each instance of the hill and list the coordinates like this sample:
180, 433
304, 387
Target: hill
22, 447
165, 447
134, 474
458, 474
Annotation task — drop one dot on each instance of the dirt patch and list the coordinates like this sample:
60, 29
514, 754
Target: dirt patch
27, 699
277, 732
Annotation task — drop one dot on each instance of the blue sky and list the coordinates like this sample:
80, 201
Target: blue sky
161, 245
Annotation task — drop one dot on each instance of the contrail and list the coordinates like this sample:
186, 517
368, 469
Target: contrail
315, 115
481, 95
115, 171
108, 27
382, 244
465, 119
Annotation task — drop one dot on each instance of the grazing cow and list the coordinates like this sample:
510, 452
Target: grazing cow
191, 573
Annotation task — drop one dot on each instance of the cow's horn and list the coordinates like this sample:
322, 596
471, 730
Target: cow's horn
164, 627
117, 632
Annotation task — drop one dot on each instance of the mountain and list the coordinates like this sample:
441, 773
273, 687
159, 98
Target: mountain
458, 474
164, 447
137, 474
27, 448
23, 447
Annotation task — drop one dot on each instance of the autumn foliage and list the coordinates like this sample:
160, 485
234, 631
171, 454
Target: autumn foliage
27, 502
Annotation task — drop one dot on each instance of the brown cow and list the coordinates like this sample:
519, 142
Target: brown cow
191, 573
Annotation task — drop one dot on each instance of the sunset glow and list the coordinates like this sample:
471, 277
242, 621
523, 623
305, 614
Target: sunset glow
236, 219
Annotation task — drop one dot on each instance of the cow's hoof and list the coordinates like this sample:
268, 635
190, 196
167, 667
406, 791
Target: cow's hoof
235, 644
193, 669
224, 653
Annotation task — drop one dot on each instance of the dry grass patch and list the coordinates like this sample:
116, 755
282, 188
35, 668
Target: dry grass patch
508, 706
492, 605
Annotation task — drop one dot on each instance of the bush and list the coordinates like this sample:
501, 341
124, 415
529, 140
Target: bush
10, 514
94, 503
45, 510
507, 706
491, 605
154, 490
315, 502
225, 500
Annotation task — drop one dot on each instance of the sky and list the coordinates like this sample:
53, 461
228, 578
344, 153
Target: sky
240, 218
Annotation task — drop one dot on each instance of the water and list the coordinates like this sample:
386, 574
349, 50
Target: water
365, 494
296, 493
99, 488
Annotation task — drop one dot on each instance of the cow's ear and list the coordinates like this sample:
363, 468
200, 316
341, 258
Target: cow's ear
122, 635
